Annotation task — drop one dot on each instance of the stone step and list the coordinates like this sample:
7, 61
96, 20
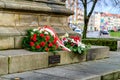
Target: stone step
105, 69
15, 61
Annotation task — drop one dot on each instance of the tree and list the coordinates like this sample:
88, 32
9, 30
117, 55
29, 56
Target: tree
114, 3
87, 14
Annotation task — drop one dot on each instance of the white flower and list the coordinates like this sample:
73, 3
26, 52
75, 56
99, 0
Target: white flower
82, 45
35, 29
73, 40
46, 32
41, 30
32, 33
66, 34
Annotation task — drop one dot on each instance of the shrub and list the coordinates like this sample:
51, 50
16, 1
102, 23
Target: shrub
111, 31
112, 43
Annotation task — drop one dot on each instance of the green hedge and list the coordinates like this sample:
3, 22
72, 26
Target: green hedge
112, 43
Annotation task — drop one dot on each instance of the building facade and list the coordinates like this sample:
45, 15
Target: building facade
76, 19
104, 21
110, 21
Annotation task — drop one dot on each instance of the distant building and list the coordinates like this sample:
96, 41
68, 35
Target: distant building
106, 21
91, 23
76, 19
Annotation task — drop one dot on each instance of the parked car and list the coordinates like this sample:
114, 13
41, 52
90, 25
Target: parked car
79, 31
118, 29
104, 32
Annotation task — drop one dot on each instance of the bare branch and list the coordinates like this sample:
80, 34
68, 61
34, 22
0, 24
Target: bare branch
93, 6
89, 1
82, 2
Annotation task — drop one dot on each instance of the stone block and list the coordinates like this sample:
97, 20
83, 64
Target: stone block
22, 60
3, 65
74, 58
94, 78
18, 41
7, 19
59, 29
108, 77
44, 20
26, 20
6, 42
119, 74
116, 76
118, 45
63, 20
8, 31
55, 20
68, 58
98, 52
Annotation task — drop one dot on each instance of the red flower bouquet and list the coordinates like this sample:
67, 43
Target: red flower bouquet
74, 44
40, 40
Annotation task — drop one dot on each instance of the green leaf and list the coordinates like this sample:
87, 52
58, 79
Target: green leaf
74, 49
79, 50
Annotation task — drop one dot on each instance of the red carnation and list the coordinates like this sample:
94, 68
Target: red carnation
31, 43
56, 46
47, 38
64, 39
72, 44
34, 39
47, 49
37, 46
42, 44
34, 35
55, 40
41, 35
50, 45
69, 40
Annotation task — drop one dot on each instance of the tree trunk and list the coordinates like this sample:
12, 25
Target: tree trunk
85, 28
85, 19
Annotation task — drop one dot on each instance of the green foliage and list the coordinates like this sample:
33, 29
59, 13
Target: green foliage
112, 43
111, 31
115, 34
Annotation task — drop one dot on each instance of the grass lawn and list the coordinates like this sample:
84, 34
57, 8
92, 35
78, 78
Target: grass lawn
115, 34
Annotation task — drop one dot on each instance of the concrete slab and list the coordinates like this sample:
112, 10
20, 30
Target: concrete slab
93, 67
91, 70
74, 75
97, 52
3, 65
22, 60
33, 76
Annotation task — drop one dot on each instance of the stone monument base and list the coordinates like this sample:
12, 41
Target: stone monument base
17, 16
13, 61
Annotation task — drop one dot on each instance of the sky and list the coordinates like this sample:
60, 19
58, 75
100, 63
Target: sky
106, 7
109, 7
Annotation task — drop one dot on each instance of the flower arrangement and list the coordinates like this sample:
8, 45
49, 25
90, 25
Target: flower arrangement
74, 44
45, 39
39, 40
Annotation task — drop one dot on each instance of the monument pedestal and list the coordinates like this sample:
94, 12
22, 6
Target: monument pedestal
17, 16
